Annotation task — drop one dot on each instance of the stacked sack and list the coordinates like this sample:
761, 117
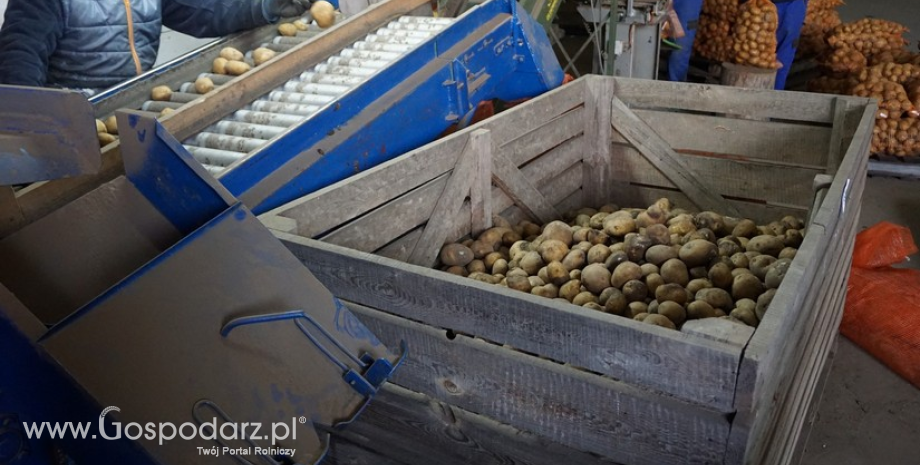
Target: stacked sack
754, 35
821, 18
714, 40
867, 58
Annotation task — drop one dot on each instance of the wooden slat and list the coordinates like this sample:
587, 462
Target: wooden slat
599, 169
657, 151
781, 142
447, 208
577, 409
790, 106
417, 430
694, 370
402, 247
835, 145
525, 195
481, 188
732, 178
815, 405
558, 191
11, 218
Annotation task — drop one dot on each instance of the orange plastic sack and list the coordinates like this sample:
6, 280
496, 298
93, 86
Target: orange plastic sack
882, 312
884, 244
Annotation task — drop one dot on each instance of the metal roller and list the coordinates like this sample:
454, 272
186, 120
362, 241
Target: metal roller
415, 27
289, 40
404, 33
214, 157
346, 70
280, 48
369, 54
322, 78
313, 88
283, 108
223, 142
296, 97
309, 33
183, 96
156, 107
248, 130
393, 39
213, 169
266, 118
358, 62
398, 48
425, 20
218, 79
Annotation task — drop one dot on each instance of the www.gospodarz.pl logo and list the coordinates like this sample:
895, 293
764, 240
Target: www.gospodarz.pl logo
214, 430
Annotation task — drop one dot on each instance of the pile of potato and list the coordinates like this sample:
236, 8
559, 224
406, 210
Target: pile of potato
820, 18
106, 131
869, 35
893, 98
713, 35
899, 137
843, 61
660, 265
754, 35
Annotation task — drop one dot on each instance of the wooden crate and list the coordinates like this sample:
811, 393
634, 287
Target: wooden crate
498, 376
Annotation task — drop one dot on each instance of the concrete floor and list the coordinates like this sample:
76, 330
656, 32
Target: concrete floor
869, 415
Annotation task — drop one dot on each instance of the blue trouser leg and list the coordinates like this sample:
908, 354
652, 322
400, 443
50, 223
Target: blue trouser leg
679, 63
791, 19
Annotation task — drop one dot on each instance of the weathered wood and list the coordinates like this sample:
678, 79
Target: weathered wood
815, 406
510, 179
402, 247
748, 77
598, 163
11, 218
788, 106
731, 177
557, 190
418, 430
720, 330
571, 407
447, 208
695, 370
835, 149
481, 187
657, 151
787, 143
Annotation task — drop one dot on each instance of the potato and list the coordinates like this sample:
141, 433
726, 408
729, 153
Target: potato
766, 245
673, 311
701, 234
793, 238
530, 229
301, 25
616, 303
596, 277
583, 298
236, 68
674, 271
636, 308
740, 271
287, 29
519, 248
456, 255
583, 246
493, 237
720, 275
548, 291
641, 316
491, 258
776, 273
746, 315
583, 221
635, 291
510, 238
531, 262
740, 260
653, 307
788, 252
481, 249
652, 281
698, 252
728, 247
100, 126
111, 125
618, 247
672, 292
323, 13
709, 220
574, 260
458, 270
746, 286
500, 266
570, 290
626, 271
575, 274
716, 297
648, 269
659, 320
203, 85
553, 250
763, 303
559, 231
517, 272
658, 254
486, 278
219, 66
699, 309
105, 138
759, 265
681, 225
698, 284
476, 266
594, 306
619, 225
598, 254
166, 112
557, 273
161, 93
636, 245
231, 54
596, 237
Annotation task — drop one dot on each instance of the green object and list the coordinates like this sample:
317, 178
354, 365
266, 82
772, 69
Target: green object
544, 11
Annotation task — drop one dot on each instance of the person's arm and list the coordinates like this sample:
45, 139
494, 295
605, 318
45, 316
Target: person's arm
211, 18
30, 33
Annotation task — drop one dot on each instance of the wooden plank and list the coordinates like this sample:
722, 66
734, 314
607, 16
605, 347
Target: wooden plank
835, 146
11, 218
557, 191
446, 209
789, 106
732, 178
226, 99
511, 180
574, 408
418, 430
767, 141
695, 370
657, 151
642, 196
402, 247
812, 416
335, 205
379, 228
481, 188
598, 164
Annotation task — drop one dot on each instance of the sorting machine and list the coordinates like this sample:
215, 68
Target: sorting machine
334, 102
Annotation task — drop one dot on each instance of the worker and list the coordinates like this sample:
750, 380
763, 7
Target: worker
91, 45
791, 19
688, 12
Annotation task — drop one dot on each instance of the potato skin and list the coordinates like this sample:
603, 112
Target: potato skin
236, 68
456, 255
161, 93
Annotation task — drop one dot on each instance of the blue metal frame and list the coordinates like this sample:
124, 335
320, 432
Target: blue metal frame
492, 51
